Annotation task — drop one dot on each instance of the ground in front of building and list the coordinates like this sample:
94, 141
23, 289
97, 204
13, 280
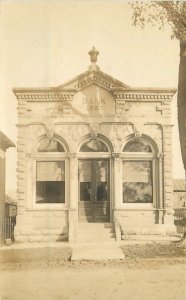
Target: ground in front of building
149, 271
92, 282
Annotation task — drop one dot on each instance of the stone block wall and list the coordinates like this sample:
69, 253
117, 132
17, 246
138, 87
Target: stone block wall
42, 226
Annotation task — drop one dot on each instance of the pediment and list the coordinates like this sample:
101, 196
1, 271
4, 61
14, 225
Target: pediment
88, 78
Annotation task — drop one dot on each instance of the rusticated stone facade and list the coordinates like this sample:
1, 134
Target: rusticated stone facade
102, 148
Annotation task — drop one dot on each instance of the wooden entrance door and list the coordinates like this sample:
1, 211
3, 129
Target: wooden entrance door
94, 190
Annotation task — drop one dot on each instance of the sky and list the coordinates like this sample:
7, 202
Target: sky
45, 43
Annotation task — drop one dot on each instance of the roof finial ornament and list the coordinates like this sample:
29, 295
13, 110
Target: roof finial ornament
93, 58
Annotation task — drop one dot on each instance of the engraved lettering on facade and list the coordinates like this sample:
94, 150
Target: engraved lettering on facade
94, 103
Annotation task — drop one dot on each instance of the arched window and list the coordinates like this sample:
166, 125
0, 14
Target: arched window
50, 172
137, 145
137, 171
50, 145
94, 145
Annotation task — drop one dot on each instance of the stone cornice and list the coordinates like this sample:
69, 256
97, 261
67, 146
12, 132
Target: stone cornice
45, 97
42, 90
119, 90
43, 94
144, 89
144, 95
33, 95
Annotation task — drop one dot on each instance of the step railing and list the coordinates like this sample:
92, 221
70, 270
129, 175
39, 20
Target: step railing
180, 219
7, 229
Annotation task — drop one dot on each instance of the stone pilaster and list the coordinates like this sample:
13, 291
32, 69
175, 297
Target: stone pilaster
73, 200
117, 181
160, 190
167, 174
73, 180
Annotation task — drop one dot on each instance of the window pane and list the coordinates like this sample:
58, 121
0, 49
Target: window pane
85, 178
137, 182
50, 171
85, 170
50, 182
47, 145
94, 146
101, 170
138, 145
102, 191
102, 167
85, 191
50, 192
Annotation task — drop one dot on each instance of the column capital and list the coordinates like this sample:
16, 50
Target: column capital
116, 156
160, 156
72, 155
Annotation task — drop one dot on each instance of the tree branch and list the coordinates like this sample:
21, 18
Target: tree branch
174, 15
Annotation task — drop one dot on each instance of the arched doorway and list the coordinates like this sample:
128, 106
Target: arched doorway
94, 182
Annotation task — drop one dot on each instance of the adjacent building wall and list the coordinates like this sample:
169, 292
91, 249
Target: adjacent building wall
4, 144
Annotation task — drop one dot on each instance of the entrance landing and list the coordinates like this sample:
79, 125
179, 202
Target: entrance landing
97, 251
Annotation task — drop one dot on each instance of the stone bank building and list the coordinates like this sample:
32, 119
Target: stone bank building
93, 150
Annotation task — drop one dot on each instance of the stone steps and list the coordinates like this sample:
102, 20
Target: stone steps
93, 232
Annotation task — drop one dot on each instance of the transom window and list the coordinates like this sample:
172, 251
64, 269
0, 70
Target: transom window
94, 145
50, 145
137, 145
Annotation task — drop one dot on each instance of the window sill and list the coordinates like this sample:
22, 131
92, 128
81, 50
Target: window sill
135, 206
51, 207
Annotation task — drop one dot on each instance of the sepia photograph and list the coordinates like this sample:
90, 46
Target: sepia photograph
92, 150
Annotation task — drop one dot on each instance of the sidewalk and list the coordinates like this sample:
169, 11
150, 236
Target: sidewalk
132, 241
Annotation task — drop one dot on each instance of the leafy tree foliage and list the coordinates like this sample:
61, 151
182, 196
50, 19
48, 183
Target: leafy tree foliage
173, 13
161, 13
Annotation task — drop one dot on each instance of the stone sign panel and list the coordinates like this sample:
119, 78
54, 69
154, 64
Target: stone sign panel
94, 100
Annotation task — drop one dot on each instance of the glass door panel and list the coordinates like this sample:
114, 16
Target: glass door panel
85, 179
101, 180
94, 190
